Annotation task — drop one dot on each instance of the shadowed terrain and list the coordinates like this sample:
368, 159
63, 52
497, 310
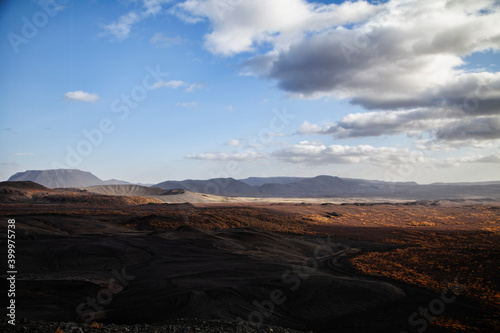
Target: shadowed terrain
101, 259
186, 273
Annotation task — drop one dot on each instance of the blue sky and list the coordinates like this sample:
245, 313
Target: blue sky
150, 90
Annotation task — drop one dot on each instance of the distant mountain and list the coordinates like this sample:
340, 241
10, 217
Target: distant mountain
258, 181
216, 186
320, 186
310, 187
115, 182
59, 178
330, 186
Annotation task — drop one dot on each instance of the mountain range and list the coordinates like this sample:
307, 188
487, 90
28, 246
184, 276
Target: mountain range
320, 186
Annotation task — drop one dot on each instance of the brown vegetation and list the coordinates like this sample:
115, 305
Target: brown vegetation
434, 242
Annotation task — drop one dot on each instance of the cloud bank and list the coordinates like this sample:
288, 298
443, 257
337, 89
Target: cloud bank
403, 61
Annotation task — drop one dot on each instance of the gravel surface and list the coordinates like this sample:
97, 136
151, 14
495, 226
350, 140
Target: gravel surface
177, 326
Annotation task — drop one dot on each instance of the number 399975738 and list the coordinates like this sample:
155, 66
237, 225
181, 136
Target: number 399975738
11, 244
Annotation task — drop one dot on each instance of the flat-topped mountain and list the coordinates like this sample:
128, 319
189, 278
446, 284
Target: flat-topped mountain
61, 178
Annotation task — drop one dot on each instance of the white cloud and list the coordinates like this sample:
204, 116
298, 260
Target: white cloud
318, 153
240, 26
365, 124
308, 128
121, 28
195, 86
153, 7
389, 158
174, 84
81, 96
169, 84
393, 161
493, 158
446, 127
244, 156
405, 58
233, 142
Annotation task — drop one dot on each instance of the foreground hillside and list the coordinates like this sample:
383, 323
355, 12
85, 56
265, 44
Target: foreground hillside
380, 264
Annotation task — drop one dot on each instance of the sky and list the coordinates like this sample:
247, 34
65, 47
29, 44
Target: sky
155, 90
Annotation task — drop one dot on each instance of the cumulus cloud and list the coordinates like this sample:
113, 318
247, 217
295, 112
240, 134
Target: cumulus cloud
402, 60
404, 55
81, 96
483, 128
241, 26
318, 153
121, 28
366, 124
391, 159
443, 126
